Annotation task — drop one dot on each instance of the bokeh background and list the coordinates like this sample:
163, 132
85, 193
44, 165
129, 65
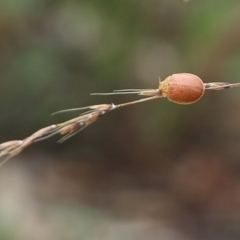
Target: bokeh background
156, 170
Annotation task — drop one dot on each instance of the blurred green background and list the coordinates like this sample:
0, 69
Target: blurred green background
156, 170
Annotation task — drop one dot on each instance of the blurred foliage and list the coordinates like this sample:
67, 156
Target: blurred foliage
55, 52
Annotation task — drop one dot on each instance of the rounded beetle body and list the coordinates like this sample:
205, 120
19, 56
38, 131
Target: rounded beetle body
182, 88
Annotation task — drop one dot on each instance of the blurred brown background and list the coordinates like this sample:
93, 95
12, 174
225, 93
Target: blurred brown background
156, 170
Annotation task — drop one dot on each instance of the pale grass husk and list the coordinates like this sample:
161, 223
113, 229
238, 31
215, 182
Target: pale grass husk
71, 127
